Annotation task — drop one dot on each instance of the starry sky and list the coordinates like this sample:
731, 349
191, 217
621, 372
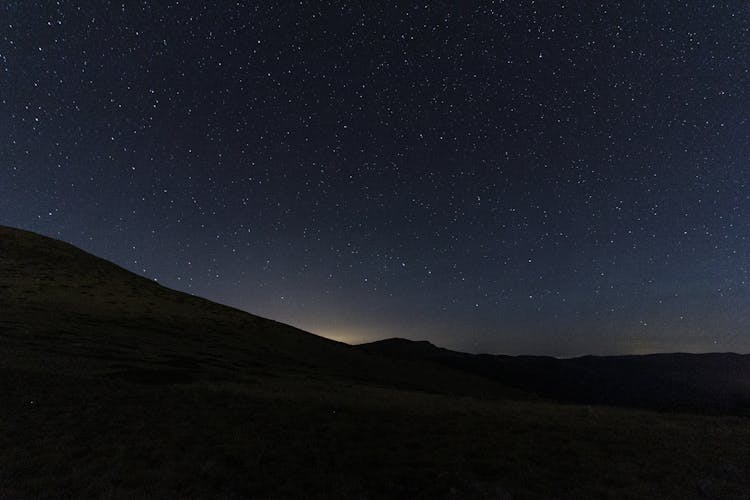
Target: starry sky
557, 178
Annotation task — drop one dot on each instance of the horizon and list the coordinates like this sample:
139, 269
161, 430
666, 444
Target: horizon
355, 340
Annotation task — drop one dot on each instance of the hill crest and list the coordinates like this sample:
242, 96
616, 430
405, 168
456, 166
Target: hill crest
68, 311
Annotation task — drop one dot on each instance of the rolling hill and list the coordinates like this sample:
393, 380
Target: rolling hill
114, 386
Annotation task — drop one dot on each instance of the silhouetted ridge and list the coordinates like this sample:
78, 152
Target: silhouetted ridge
65, 310
706, 382
417, 349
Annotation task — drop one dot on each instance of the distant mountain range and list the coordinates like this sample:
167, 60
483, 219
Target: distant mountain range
716, 382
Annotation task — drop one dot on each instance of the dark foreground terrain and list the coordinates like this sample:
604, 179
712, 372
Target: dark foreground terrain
113, 386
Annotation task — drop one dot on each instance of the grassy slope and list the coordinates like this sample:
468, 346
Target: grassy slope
111, 385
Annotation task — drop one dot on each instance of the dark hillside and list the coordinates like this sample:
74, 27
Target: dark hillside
67, 311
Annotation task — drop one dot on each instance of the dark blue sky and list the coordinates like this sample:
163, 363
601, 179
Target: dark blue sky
549, 178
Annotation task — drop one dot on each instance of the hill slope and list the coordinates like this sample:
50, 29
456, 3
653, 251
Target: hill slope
67, 311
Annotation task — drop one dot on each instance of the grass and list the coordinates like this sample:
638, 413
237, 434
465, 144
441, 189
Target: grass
286, 437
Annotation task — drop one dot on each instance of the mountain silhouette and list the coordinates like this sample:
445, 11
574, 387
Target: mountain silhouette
113, 386
713, 382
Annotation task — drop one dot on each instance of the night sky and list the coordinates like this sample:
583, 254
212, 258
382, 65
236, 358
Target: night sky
555, 178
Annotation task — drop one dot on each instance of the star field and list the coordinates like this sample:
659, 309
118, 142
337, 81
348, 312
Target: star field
542, 178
